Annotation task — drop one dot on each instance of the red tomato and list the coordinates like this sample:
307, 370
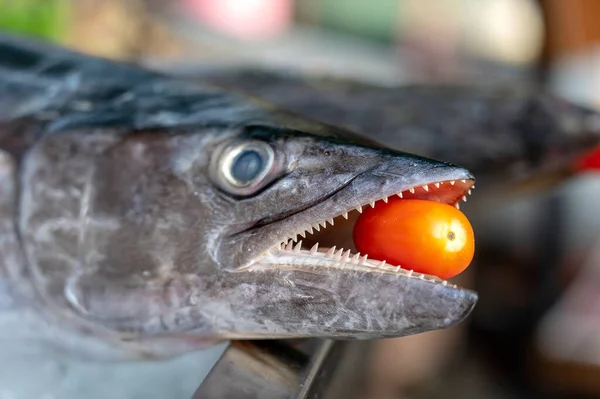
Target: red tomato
425, 236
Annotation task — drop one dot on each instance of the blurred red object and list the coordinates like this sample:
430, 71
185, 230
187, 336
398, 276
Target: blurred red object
589, 162
246, 19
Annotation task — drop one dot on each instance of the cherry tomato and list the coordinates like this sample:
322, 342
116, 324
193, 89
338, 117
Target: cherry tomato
425, 236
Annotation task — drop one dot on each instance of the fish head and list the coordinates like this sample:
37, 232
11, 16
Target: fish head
551, 130
273, 194
539, 140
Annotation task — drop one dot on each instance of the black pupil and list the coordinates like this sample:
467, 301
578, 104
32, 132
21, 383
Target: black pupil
247, 166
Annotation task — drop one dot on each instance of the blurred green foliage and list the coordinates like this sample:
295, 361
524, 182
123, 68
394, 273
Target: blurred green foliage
46, 19
374, 19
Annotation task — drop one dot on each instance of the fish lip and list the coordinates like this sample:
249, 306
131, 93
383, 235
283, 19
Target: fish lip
280, 257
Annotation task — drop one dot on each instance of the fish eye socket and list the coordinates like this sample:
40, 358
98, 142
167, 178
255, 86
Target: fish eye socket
242, 168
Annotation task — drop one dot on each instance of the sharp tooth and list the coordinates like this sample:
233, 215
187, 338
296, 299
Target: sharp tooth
346, 256
385, 199
330, 221
345, 215
324, 224
412, 190
463, 181
359, 208
303, 234
339, 253
457, 205
381, 264
317, 227
452, 182
330, 251
422, 277
464, 198
398, 268
289, 246
298, 246
437, 185
444, 283
310, 230
473, 187
372, 204
314, 249
280, 246
363, 260
410, 272
469, 192
355, 258
399, 195
425, 187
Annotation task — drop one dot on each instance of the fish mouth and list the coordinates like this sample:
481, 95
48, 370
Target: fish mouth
328, 242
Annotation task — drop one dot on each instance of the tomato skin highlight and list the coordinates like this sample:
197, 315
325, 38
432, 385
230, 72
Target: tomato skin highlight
425, 236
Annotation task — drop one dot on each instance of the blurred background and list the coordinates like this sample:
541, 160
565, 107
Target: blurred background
536, 330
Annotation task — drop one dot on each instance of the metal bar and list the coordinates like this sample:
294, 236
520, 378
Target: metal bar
306, 369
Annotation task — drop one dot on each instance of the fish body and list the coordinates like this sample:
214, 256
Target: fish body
144, 216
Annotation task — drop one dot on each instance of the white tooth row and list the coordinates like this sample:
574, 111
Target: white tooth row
347, 257
316, 226
323, 224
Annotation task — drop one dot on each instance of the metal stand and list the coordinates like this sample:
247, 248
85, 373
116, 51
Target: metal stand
305, 369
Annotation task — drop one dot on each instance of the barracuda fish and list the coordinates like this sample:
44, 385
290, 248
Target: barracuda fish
510, 137
142, 216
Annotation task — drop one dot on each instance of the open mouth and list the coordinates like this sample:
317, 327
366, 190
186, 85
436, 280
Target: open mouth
329, 243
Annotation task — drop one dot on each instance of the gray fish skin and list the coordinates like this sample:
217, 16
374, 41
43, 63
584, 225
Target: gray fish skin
505, 135
121, 239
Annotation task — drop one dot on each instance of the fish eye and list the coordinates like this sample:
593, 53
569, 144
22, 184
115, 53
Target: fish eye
247, 166
242, 168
